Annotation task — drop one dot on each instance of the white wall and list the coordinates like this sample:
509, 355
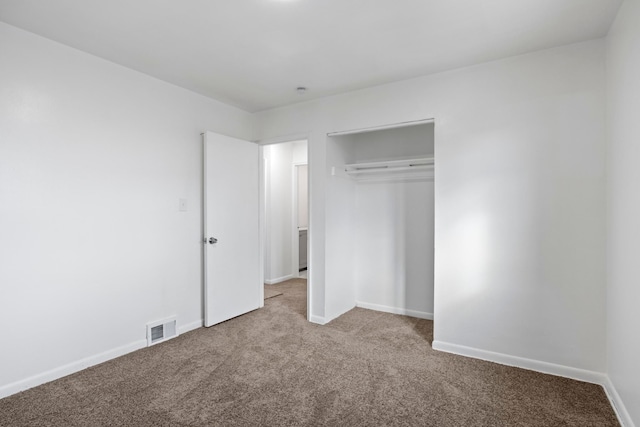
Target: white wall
394, 247
93, 161
302, 193
394, 144
299, 154
300, 158
623, 291
340, 230
519, 189
280, 212
279, 207
394, 223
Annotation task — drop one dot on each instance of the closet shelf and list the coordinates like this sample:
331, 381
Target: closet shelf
392, 170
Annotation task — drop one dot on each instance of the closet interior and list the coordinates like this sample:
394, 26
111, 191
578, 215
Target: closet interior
380, 221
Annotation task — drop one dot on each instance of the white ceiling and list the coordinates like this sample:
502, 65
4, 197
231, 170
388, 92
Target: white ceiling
254, 53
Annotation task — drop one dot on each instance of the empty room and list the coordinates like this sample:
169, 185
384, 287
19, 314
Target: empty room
305, 212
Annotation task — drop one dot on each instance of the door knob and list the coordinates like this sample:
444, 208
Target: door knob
213, 240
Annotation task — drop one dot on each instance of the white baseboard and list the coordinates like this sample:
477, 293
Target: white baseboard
183, 329
317, 320
69, 369
395, 310
328, 317
547, 368
521, 362
616, 402
279, 279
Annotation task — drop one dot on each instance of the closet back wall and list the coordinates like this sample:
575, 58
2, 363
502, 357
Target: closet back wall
394, 226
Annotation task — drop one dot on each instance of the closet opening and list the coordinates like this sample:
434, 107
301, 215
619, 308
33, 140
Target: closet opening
380, 220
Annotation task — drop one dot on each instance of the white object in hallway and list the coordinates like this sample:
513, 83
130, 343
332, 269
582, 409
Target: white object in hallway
231, 227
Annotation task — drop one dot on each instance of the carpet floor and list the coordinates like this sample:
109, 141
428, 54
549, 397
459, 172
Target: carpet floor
271, 367
270, 292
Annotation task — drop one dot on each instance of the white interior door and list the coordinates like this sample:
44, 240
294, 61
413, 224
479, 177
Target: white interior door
231, 226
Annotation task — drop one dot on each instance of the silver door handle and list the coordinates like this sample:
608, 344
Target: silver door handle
213, 240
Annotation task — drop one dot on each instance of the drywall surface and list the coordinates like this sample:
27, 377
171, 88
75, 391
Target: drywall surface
394, 246
394, 144
281, 243
340, 229
302, 193
302, 186
299, 154
623, 291
94, 159
519, 197
394, 222
279, 200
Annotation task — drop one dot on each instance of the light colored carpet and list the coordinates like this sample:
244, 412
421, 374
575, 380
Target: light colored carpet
270, 292
273, 368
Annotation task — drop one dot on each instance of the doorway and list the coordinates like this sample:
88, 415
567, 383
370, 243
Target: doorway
285, 190
239, 237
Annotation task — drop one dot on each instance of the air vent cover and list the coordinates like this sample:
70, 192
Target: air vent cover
161, 330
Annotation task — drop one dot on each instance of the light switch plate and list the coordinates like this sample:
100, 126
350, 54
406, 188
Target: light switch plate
182, 205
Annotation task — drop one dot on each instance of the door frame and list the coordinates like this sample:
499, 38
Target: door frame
279, 140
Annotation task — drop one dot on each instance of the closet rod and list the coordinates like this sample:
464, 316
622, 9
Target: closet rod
388, 170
